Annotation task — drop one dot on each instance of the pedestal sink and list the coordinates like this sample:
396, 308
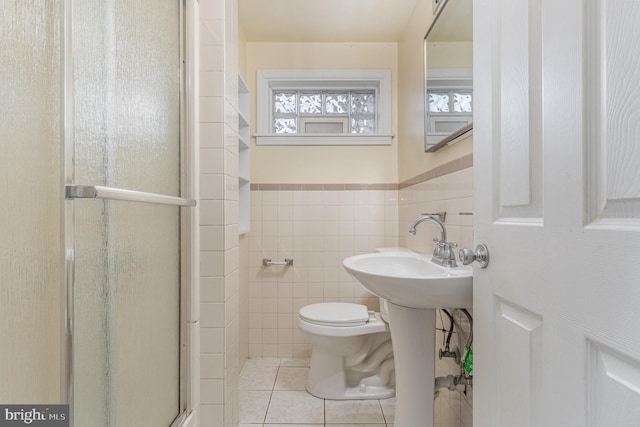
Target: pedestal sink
414, 287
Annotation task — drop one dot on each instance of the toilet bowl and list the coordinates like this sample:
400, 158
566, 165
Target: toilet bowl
351, 356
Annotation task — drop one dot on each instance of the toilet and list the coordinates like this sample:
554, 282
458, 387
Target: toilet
352, 355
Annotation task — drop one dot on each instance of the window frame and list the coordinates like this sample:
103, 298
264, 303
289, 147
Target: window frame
309, 80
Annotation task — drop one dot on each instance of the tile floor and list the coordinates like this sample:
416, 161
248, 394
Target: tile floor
272, 394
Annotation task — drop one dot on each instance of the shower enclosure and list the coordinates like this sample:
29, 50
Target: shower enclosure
94, 218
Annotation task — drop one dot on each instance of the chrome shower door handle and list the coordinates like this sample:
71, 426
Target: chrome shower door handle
480, 254
110, 193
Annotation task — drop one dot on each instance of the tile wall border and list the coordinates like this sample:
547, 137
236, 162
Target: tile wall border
444, 169
322, 187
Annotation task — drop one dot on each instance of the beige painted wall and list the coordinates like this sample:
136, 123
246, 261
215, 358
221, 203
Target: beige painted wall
450, 54
242, 52
412, 160
403, 160
318, 164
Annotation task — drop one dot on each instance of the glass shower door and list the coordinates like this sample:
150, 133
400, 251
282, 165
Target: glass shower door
31, 203
127, 292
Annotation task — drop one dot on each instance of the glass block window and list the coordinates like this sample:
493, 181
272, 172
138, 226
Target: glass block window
285, 126
362, 125
462, 102
284, 103
450, 101
324, 107
438, 102
310, 104
336, 103
363, 103
293, 110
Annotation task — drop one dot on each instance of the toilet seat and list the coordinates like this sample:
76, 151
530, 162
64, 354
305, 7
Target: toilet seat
349, 320
336, 314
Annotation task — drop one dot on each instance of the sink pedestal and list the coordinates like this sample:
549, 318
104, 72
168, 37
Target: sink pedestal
412, 280
413, 333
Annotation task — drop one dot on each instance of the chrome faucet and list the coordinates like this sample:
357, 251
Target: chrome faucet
443, 253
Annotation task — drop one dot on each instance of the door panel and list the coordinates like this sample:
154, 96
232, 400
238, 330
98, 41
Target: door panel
615, 95
614, 387
31, 255
127, 311
557, 309
520, 107
127, 87
518, 347
126, 57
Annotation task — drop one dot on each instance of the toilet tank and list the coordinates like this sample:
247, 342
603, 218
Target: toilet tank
384, 311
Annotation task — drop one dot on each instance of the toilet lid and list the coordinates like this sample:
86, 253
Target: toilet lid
335, 314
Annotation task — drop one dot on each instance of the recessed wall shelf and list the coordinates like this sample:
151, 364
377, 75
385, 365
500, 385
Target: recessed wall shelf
244, 159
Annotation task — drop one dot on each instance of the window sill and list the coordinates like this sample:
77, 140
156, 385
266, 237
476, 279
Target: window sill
323, 139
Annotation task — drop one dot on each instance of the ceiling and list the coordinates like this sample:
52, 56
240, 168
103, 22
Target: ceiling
324, 20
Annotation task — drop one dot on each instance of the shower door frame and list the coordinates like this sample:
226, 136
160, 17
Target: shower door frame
188, 217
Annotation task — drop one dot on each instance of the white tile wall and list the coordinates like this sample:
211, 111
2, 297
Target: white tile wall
318, 229
452, 193
219, 246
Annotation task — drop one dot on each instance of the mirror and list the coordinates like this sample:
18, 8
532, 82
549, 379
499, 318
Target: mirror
448, 68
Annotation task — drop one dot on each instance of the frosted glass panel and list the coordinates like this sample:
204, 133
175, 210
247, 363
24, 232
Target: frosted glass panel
311, 104
91, 307
363, 125
31, 256
324, 127
127, 314
336, 104
144, 274
127, 276
284, 126
284, 102
363, 103
127, 94
462, 102
438, 102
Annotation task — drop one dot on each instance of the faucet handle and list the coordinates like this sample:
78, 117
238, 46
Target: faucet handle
448, 248
449, 254
439, 248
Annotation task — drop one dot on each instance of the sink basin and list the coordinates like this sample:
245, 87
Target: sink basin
412, 280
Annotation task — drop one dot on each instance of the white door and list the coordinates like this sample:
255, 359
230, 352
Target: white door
557, 201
